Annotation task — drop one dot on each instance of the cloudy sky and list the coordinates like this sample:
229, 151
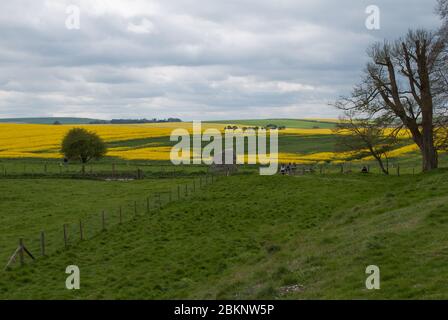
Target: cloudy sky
193, 59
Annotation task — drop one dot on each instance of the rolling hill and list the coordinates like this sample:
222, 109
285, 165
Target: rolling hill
48, 120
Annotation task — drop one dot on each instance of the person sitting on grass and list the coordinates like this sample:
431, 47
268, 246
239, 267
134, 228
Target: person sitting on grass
294, 168
365, 169
282, 169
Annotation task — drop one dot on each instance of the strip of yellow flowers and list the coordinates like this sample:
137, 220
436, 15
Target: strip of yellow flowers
43, 141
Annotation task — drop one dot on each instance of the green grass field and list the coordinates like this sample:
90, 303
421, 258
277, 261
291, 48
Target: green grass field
30, 206
245, 236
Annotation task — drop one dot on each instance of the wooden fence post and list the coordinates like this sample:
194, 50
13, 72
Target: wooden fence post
103, 220
398, 170
42, 243
186, 189
81, 231
178, 192
139, 174
159, 201
21, 256
65, 235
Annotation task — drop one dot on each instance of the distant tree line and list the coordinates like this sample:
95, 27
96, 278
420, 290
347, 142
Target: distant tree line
130, 121
269, 126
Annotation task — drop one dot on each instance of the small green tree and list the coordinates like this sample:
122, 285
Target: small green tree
80, 144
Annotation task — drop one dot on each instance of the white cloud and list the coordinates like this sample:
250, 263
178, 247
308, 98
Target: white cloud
144, 27
251, 84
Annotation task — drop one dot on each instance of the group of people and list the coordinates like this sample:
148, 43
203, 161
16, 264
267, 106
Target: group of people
288, 169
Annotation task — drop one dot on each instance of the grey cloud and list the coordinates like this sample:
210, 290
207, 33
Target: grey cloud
175, 58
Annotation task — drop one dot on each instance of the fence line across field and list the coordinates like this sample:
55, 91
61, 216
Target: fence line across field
117, 170
91, 225
112, 170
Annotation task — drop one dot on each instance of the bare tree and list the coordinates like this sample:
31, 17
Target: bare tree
442, 9
403, 86
367, 137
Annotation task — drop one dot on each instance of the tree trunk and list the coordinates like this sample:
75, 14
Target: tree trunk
380, 162
430, 157
425, 142
427, 148
429, 152
385, 170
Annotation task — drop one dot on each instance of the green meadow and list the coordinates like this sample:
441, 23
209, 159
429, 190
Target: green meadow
242, 237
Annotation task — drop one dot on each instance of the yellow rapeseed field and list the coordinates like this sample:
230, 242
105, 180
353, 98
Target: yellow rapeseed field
43, 141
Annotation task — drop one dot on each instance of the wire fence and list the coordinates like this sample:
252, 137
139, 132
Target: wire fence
140, 170
396, 168
56, 239
124, 170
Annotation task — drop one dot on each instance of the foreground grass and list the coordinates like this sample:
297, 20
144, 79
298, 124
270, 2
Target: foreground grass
29, 206
264, 237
